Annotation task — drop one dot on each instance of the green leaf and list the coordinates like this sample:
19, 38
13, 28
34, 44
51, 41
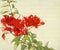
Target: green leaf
33, 36
16, 12
34, 41
26, 37
13, 6
39, 45
29, 45
23, 47
16, 38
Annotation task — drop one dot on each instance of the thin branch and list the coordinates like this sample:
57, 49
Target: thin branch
10, 6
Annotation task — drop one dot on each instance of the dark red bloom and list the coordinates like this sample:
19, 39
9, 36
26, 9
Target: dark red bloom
3, 36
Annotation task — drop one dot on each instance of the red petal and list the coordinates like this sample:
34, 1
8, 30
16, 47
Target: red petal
24, 31
3, 36
42, 23
8, 28
3, 21
6, 15
16, 31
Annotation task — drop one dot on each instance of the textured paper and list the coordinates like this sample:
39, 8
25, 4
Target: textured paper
49, 11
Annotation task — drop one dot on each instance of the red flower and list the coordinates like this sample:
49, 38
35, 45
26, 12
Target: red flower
3, 36
33, 21
7, 19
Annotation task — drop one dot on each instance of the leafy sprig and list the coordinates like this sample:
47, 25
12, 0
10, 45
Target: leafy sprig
29, 41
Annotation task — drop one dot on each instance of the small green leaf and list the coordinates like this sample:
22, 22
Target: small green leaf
33, 36
35, 41
16, 38
26, 37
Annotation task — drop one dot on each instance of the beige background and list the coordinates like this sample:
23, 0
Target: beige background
49, 11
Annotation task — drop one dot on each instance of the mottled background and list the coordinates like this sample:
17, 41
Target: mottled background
47, 10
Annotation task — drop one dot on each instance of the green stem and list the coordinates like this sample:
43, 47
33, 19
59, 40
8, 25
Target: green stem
18, 12
10, 6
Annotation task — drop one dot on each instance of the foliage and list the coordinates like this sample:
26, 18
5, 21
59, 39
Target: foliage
31, 43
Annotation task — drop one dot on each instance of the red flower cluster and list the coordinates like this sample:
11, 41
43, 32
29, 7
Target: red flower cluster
18, 26
33, 21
